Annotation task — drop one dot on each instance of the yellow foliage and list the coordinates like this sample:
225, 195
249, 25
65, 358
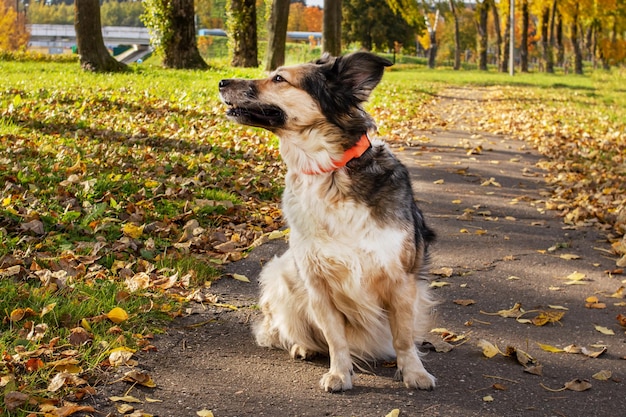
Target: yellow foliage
13, 33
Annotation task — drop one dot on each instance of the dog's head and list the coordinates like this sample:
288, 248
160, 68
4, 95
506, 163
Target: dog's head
327, 93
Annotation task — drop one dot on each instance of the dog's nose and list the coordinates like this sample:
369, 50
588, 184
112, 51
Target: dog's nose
224, 83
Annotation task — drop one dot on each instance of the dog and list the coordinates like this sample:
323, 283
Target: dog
349, 285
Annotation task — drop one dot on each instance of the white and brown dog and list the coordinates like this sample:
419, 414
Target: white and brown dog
349, 285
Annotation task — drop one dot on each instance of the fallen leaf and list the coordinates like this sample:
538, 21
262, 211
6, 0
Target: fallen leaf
569, 256
466, 302
619, 293
205, 413
132, 230
513, 312
605, 330
240, 277
545, 317
443, 271
438, 284
140, 377
488, 398
621, 319
124, 408
68, 410
125, 398
534, 370
14, 400
489, 350
117, 315
578, 385
549, 348
499, 387
603, 375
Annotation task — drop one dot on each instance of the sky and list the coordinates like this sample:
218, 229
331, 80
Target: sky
315, 3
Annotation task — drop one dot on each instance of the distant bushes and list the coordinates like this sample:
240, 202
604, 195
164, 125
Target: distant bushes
36, 56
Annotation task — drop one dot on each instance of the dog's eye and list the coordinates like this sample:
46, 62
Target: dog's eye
278, 79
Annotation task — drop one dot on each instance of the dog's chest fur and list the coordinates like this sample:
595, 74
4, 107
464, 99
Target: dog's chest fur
334, 235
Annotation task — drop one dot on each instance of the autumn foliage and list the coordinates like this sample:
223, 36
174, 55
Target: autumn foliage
13, 33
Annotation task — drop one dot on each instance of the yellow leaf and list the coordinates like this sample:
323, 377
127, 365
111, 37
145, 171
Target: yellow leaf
125, 398
85, 324
117, 315
605, 330
132, 230
456, 201
393, 413
240, 277
438, 284
205, 413
569, 256
47, 309
549, 348
603, 375
153, 400
489, 350
488, 398
438, 182
576, 276
554, 307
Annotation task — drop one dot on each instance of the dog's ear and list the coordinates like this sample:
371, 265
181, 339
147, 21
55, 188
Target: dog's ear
362, 71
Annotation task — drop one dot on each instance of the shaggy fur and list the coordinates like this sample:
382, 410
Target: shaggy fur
349, 284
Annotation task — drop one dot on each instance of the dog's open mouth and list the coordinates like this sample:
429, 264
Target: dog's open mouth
266, 116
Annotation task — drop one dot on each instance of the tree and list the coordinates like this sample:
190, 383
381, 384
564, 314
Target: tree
93, 54
374, 25
173, 33
277, 34
331, 27
13, 33
482, 13
523, 51
242, 33
457, 35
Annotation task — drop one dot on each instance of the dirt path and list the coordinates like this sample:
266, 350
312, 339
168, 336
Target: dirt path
483, 194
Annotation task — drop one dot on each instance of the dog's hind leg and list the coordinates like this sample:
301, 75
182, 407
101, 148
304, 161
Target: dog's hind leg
402, 311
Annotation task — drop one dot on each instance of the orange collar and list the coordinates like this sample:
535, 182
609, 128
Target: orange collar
354, 152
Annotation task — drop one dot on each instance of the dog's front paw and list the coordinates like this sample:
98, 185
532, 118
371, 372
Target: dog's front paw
298, 352
417, 379
336, 381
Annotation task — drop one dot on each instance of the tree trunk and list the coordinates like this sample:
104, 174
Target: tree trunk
93, 54
242, 32
504, 61
432, 37
578, 54
457, 38
498, 30
180, 49
331, 27
558, 37
523, 50
277, 34
548, 59
482, 10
